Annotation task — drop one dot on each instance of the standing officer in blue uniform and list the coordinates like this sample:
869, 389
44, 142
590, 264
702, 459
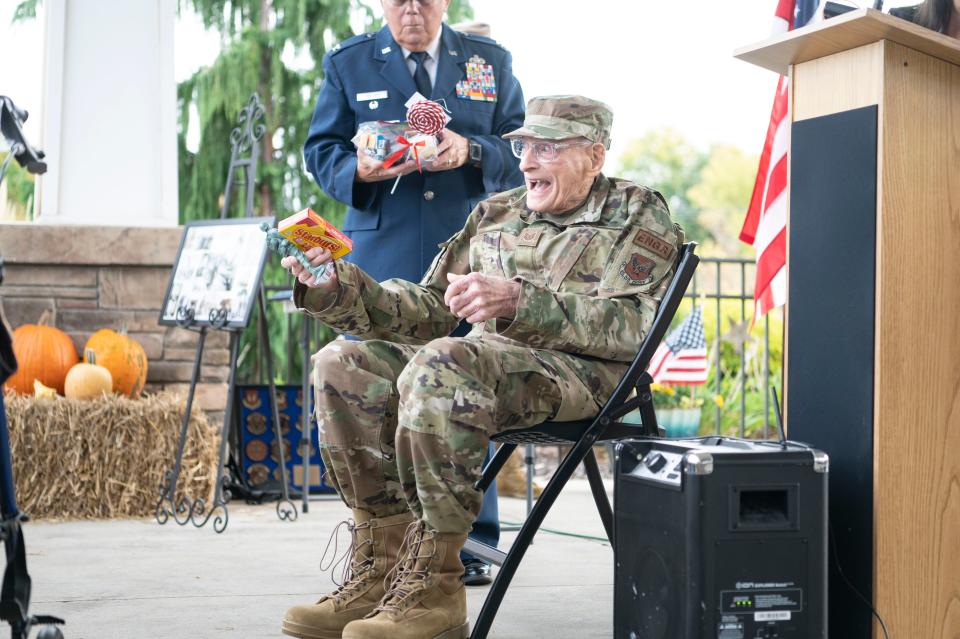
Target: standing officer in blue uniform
396, 235
370, 77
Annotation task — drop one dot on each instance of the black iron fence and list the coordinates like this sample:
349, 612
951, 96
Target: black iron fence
745, 356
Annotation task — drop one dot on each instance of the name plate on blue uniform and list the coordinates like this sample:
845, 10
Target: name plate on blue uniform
371, 95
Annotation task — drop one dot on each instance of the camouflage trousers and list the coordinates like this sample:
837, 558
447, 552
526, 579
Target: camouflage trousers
407, 427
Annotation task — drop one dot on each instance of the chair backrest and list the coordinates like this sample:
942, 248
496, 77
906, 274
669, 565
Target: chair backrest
617, 405
582, 434
687, 261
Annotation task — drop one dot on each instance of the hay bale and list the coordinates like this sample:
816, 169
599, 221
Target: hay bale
106, 457
512, 478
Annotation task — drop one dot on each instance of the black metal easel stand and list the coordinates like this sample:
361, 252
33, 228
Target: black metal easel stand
196, 510
244, 141
186, 509
305, 412
286, 510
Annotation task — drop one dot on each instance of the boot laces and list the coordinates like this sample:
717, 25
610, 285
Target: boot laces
355, 562
409, 575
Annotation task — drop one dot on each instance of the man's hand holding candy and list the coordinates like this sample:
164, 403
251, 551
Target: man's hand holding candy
316, 256
370, 169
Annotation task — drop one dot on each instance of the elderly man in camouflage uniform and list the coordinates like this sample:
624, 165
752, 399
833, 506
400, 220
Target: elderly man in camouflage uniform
560, 278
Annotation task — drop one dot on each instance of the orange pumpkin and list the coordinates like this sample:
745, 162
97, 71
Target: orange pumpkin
123, 356
43, 353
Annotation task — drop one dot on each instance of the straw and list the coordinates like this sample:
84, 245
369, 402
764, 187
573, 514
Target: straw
106, 457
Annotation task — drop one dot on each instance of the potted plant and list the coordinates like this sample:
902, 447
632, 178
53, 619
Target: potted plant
679, 409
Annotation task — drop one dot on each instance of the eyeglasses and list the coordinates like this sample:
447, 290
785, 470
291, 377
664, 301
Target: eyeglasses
423, 3
543, 151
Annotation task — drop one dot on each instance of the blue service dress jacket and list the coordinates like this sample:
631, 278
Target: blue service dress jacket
366, 78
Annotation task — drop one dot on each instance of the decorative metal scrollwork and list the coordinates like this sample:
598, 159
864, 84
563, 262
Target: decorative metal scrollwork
250, 126
190, 511
185, 317
286, 511
218, 317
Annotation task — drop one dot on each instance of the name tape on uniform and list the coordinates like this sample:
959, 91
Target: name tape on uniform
654, 244
371, 95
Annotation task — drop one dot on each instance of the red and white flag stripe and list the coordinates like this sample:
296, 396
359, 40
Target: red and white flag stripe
689, 367
765, 226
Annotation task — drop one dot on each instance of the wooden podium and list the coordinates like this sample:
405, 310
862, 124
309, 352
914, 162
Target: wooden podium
873, 315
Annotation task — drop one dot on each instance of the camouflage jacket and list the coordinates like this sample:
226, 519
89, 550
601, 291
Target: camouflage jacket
591, 280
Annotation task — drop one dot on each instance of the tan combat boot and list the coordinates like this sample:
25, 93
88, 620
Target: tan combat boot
375, 546
426, 600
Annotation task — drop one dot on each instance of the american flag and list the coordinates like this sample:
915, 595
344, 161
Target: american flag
765, 226
681, 359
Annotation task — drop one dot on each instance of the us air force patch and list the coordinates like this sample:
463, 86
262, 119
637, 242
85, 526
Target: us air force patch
638, 270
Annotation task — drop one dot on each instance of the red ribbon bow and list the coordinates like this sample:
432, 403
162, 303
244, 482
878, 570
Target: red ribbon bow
390, 161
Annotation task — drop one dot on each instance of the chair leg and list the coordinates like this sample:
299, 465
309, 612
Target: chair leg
599, 493
493, 468
530, 527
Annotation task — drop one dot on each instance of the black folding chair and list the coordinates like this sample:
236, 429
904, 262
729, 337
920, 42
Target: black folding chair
583, 435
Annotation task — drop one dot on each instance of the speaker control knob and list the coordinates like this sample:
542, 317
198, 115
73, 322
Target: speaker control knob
655, 461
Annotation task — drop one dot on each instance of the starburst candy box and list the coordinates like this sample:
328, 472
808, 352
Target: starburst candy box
306, 229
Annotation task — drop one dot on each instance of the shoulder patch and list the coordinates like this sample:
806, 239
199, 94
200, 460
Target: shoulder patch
656, 245
638, 269
349, 42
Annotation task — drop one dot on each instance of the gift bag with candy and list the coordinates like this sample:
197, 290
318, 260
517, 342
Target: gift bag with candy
393, 142
378, 139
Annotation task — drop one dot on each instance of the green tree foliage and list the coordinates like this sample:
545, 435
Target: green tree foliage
274, 48
259, 38
708, 192
26, 10
720, 197
18, 184
664, 160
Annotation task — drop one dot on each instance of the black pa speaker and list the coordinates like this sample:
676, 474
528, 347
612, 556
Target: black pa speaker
720, 538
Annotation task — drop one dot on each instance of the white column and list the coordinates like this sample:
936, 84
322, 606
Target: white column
109, 114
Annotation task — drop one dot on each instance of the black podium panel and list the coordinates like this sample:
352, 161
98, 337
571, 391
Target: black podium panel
830, 347
719, 538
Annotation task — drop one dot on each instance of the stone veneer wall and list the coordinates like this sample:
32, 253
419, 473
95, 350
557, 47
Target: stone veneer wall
96, 277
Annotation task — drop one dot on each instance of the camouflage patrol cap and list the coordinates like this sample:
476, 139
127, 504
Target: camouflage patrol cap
560, 117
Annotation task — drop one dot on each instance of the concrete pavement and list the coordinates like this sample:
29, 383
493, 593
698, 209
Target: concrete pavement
135, 578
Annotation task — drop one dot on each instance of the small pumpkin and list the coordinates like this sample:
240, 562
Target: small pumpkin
88, 380
43, 353
123, 356
43, 392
